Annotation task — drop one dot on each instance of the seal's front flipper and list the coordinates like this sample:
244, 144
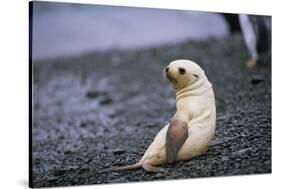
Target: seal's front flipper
176, 136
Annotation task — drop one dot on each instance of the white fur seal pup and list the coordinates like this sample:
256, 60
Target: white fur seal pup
192, 128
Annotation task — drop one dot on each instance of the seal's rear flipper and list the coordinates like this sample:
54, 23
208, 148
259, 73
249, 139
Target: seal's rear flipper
150, 168
127, 167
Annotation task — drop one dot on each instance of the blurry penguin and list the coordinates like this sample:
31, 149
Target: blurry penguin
256, 31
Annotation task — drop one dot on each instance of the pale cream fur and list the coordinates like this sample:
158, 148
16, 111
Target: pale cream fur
195, 105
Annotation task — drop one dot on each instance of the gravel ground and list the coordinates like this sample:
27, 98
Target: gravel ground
104, 109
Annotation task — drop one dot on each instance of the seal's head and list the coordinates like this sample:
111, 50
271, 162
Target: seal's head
182, 73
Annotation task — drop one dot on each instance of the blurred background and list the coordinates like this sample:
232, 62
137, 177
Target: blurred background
62, 29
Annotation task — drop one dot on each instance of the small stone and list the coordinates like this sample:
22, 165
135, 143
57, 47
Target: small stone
159, 175
219, 118
106, 101
37, 161
83, 124
118, 151
255, 79
88, 161
61, 137
224, 158
149, 125
84, 169
67, 152
92, 94
60, 172
221, 140
52, 179
240, 152
95, 94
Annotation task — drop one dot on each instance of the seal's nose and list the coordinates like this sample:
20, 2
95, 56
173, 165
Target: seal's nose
167, 69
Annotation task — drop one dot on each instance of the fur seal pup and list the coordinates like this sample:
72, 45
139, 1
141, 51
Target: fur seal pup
192, 128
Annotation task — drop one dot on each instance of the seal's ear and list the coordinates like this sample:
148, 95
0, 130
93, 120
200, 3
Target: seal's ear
176, 136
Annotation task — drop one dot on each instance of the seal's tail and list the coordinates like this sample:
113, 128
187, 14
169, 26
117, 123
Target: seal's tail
126, 167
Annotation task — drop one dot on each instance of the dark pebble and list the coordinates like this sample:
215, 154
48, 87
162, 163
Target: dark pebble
52, 179
60, 172
67, 152
255, 79
95, 94
83, 124
106, 101
92, 94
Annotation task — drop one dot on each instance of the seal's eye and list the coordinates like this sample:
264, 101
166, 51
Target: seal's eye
182, 71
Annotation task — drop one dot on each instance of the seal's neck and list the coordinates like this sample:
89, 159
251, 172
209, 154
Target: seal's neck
195, 89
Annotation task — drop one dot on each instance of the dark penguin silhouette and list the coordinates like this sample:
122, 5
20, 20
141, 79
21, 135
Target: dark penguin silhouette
232, 21
256, 31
